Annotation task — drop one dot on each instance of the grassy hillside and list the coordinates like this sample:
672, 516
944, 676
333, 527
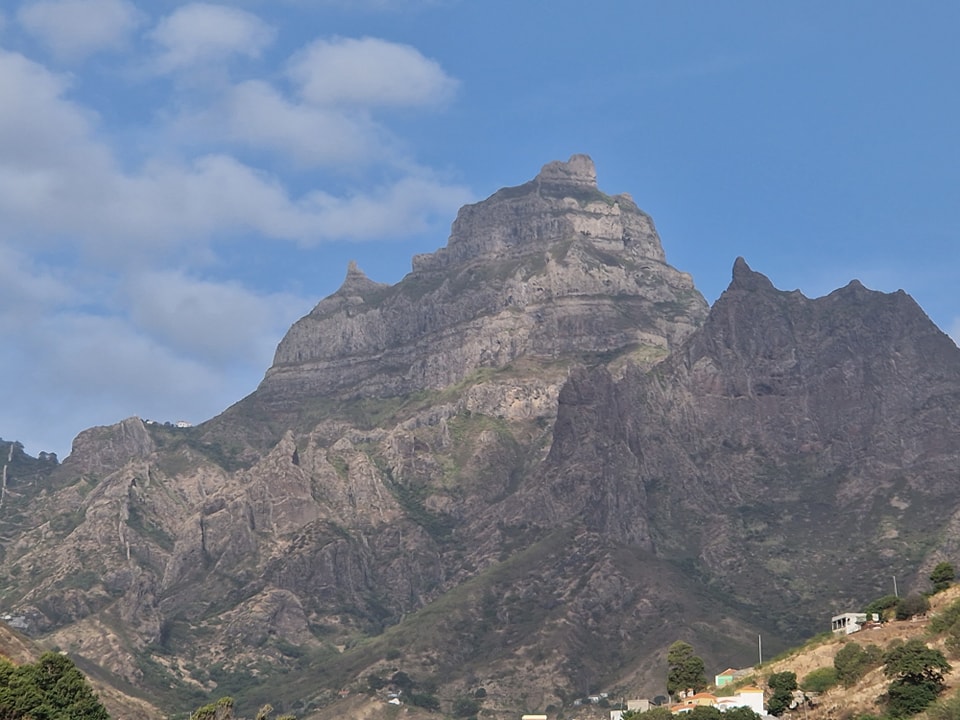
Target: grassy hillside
866, 696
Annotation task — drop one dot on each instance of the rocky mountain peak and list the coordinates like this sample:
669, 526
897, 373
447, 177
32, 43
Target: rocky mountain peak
579, 170
356, 283
554, 268
745, 278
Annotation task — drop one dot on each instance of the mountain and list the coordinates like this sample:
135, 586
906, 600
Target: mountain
794, 453
527, 467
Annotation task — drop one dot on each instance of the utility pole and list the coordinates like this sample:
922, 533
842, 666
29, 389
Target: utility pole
760, 647
896, 594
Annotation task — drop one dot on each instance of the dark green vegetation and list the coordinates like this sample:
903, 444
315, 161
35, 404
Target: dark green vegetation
783, 684
883, 607
50, 689
685, 670
942, 576
820, 680
853, 661
698, 713
223, 709
917, 673
912, 605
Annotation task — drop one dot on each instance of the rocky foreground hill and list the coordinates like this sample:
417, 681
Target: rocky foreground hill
526, 468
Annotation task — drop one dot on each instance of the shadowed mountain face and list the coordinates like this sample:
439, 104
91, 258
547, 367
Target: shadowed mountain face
529, 466
795, 453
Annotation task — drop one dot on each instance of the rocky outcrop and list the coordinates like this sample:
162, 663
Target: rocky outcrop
547, 271
102, 450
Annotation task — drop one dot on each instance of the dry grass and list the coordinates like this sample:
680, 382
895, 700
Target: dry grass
841, 703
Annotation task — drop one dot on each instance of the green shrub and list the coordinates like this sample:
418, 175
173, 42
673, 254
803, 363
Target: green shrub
881, 604
942, 576
853, 661
820, 680
913, 604
465, 707
424, 700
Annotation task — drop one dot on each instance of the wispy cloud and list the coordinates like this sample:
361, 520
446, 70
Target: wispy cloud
74, 29
369, 72
204, 32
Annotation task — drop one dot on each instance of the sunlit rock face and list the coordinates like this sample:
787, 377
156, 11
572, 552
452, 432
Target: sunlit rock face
551, 269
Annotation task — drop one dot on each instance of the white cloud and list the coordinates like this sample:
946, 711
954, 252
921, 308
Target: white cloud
368, 72
28, 290
92, 347
215, 322
258, 115
412, 203
50, 157
204, 32
41, 130
74, 29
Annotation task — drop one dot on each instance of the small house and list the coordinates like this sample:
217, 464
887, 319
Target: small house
725, 678
847, 623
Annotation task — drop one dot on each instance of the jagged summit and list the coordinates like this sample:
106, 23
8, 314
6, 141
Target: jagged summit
563, 200
553, 268
356, 281
579, 170
745, 278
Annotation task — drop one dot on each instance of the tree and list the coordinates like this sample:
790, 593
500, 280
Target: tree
917, 673
52, 688
740, 713
222, 709
942, 576
704, 712
912, 604
686, 670
465, 707
881, 604
853, 661
783, 684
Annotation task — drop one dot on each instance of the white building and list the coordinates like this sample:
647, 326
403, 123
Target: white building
847, 623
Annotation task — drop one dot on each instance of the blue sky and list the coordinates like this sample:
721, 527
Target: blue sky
179, 182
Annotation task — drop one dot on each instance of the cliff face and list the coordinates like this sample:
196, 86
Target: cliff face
529, 466
794, 451
552, 269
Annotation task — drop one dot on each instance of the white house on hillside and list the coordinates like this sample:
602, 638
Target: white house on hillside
847, 623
